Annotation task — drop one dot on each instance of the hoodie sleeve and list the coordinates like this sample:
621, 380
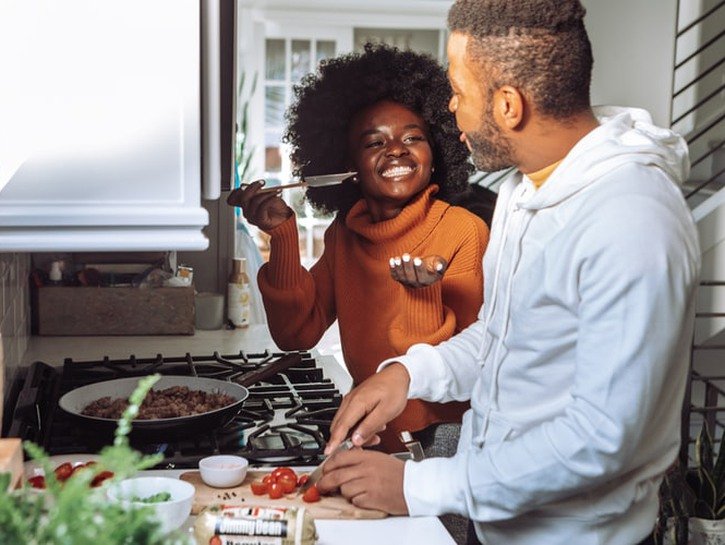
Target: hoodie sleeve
446, 372
636, 276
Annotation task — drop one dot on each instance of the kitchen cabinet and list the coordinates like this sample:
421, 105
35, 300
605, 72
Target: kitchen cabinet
100, 147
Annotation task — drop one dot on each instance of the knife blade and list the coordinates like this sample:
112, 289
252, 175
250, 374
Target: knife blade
316, 474
313, 181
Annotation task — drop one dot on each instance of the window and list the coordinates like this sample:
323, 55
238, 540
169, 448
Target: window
286, 62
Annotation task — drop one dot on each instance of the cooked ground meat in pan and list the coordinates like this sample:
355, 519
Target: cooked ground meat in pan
168, 403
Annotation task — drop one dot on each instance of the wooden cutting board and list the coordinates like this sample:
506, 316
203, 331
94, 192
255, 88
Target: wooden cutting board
329, 507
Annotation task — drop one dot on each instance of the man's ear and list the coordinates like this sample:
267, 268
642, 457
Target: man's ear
508, 107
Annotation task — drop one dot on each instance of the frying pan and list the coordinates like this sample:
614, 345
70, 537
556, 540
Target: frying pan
76, 400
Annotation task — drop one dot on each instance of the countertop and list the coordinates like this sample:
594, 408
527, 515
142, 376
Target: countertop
387, 531
255, 338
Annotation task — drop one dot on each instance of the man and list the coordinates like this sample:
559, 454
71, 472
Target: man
577, 365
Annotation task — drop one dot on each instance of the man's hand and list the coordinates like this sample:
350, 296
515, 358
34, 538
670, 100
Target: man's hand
265, 210
369, 479
417, 272
373, 404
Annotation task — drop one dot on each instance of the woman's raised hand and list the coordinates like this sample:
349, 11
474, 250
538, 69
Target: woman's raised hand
265, 210
417, 272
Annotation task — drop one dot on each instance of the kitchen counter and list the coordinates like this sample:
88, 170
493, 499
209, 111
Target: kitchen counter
391, 530
255, 338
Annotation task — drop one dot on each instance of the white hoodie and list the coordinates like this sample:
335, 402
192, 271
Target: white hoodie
577, 365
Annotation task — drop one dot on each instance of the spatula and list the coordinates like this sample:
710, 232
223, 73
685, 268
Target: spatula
313, 181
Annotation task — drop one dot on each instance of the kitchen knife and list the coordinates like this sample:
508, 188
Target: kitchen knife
316, 474
313, 181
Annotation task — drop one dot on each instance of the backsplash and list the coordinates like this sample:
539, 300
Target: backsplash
14, 309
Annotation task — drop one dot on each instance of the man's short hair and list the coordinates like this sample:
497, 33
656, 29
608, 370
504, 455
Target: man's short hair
538, 46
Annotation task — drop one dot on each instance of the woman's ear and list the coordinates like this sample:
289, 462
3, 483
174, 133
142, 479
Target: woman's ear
508, 107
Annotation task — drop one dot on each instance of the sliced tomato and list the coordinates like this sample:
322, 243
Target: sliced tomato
311, 495
63, 471
288, 482
259, 488
284, 470
303, 479
275, 491
37, 482
102, 476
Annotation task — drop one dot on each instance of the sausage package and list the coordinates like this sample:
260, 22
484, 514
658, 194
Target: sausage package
254, 525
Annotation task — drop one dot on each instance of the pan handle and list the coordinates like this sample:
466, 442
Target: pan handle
283, 363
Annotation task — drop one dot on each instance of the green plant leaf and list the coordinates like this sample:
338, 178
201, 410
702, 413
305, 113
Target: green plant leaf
73, 513
703, 450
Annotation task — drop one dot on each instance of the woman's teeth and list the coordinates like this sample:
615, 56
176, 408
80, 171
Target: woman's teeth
396, 171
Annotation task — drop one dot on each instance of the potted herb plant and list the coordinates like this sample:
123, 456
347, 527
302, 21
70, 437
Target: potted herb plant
73, 512
693, 499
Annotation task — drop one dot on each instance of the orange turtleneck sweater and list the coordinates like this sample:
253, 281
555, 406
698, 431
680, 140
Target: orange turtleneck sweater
378, 317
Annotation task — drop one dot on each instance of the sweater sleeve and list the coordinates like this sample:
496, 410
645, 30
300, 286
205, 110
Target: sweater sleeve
435, 313
300, 304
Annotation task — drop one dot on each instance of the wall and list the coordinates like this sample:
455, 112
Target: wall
633, 44
14, 309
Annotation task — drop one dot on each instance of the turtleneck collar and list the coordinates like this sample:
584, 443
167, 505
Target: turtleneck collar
405, 231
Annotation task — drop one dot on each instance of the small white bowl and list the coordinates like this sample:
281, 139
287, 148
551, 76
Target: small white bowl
223, 471
172, 513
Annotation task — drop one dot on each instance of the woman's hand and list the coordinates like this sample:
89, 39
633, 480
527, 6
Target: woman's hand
417, 272
266, 209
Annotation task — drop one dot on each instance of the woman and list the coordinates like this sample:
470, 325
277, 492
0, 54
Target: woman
400, 264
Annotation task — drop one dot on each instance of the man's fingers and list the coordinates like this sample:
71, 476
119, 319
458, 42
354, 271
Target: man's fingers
370, 426
345, 419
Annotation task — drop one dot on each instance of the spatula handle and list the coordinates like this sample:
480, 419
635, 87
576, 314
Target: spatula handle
269, 370
277, 187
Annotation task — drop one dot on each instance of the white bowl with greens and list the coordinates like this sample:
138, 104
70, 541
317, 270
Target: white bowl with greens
170, 499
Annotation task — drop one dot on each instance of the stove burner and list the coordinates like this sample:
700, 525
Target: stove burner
286, 418
266, 448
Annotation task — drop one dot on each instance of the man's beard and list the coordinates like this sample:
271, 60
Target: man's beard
490, 149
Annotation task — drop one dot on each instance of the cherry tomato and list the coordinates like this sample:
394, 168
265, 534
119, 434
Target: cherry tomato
63, 471
259, 488
311, 495
278, 472
288, 482
269, 478
275, 491
102, 476
37, 482
303, 479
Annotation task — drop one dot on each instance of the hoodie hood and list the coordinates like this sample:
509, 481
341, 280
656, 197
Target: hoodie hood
625, 135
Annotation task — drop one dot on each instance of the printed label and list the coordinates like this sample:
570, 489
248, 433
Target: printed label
238, 296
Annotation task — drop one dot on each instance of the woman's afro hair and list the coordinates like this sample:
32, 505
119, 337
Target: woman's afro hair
326, 102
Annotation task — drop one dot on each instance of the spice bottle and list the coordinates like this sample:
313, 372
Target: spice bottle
238, 294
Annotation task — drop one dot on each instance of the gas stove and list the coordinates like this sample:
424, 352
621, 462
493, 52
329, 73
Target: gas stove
286, 418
